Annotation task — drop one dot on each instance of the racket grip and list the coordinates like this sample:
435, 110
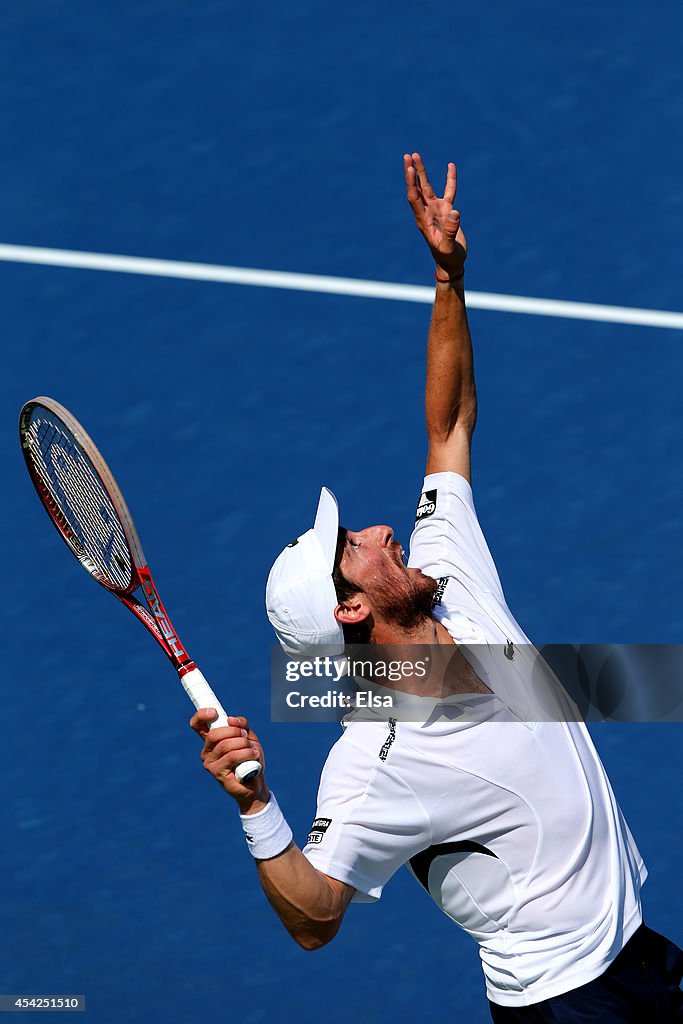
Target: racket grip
202, 696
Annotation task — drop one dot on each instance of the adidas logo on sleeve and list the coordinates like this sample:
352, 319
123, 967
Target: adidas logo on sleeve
426, 506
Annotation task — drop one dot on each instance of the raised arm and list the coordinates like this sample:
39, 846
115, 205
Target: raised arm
451, 398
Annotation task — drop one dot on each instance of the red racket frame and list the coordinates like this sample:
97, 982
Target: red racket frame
153, 616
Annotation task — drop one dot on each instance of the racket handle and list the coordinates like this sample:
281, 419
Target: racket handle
202, 696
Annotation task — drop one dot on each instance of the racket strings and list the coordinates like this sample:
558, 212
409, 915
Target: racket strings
78, 501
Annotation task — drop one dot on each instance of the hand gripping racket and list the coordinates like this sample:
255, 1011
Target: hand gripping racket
85, 504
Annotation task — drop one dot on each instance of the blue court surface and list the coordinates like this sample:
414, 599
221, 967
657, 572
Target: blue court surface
271, 136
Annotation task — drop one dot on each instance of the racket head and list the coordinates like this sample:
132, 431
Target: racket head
80, 494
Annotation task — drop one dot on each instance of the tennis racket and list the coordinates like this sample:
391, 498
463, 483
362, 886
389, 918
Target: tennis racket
84, 502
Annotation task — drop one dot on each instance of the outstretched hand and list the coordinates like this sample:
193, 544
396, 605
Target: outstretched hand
435, 217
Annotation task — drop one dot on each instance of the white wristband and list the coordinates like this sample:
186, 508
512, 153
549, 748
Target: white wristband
267, 833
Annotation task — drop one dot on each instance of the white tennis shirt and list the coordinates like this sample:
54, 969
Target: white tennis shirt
511, 826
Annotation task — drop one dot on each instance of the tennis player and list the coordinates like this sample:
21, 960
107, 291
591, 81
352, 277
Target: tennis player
510, 825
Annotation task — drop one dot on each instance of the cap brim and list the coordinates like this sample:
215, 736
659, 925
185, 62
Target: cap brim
326, 526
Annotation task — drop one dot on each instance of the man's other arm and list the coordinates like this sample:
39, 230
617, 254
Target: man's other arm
310, 904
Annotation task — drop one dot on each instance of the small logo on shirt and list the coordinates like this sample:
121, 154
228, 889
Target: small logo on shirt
386, 746
318, 829
426, 506
439, 592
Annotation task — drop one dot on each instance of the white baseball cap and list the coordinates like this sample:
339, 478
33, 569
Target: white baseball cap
300, 594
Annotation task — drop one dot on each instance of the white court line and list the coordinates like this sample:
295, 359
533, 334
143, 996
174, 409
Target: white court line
334, 285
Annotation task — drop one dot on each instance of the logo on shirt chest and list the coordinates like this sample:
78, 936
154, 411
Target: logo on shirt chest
318, 829
426, 506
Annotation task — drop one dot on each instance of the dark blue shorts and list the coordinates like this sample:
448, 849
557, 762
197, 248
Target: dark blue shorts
642, 986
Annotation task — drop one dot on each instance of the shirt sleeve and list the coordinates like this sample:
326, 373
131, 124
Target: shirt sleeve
447, 539
368, 821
